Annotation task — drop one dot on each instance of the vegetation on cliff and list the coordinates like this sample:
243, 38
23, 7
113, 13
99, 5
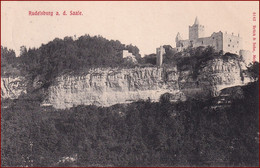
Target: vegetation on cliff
68, 55
194, 59
190, 59
9, 62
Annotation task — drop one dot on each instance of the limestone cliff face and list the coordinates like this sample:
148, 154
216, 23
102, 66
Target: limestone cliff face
216, 75
220, 74
12, 87
105, 87
112, 86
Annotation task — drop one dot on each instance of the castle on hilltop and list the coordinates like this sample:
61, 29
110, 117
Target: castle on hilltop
218, 40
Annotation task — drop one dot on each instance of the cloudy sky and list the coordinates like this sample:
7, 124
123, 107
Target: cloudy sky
144, 24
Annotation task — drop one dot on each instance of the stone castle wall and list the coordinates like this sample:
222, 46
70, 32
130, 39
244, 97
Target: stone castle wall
247, 56
232, 43
215, 40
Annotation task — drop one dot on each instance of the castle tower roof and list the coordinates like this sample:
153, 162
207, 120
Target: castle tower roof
196, 21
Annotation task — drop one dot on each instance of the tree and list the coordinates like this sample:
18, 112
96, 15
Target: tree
23, 50
253, 70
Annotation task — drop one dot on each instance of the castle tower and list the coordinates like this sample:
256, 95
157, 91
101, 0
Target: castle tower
177, 39
196, 30
159, 56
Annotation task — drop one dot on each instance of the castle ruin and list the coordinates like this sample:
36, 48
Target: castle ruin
218, 40
159, 52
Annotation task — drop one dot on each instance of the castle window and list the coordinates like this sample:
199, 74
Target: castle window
233, 46
229, 45
202, 42
213, 37
230, 40
237, 42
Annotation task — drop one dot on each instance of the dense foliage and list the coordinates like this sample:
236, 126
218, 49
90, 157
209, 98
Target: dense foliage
139, 134
68, 55
253, 70
9, 62
7, 56
149, 60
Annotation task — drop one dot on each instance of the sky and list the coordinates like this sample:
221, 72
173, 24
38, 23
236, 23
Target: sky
144, 24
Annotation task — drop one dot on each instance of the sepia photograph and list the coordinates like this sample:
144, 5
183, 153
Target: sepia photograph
130, 84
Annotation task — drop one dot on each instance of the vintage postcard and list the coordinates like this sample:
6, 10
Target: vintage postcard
130, 84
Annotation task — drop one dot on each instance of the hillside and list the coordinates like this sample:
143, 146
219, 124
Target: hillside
108, 86
78, 103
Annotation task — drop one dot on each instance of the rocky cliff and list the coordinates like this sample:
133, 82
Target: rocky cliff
111, 86
105, 87
12, 87
214, 76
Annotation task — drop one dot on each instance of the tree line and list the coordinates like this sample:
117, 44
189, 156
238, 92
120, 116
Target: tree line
68, 55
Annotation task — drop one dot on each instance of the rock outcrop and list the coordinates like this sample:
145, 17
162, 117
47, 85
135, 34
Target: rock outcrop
106, 87
111, 86
12, 87
216, 75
